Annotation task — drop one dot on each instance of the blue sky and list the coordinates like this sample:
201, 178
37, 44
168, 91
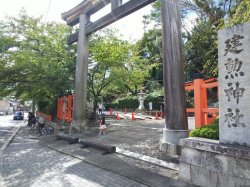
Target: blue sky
130, 27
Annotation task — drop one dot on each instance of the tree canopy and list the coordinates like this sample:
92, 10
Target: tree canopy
115, 66
200, 41
34, 58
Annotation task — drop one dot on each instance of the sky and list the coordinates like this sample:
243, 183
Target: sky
130, 27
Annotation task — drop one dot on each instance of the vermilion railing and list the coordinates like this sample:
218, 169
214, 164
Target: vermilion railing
65, 108
201, 109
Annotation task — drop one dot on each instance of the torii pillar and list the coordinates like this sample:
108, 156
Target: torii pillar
79, 118
176, 127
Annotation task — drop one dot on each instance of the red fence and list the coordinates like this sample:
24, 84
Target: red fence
65, 108
45, 116
201, 109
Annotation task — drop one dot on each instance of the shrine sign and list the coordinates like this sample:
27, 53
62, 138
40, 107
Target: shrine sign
234, 85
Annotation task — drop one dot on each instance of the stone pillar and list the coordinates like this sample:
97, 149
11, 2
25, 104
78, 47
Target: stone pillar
80, 92
234, 81
173, 69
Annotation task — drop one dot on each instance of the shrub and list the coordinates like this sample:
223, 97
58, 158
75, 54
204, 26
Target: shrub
207, 131
156, 97
129, 102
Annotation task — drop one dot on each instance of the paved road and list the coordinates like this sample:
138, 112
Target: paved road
7, 128
25, 163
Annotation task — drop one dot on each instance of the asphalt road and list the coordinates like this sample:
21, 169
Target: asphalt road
8, 127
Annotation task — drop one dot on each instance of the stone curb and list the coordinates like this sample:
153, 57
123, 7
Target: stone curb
148, 159
2, 183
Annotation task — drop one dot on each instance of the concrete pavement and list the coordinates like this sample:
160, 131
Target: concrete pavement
7, 133
138, 156
26, 163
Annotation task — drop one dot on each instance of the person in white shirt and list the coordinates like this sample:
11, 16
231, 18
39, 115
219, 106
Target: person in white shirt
41, 124
101, 107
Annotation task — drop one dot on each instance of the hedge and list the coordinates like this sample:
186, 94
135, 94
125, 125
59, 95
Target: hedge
207, 131
132, 102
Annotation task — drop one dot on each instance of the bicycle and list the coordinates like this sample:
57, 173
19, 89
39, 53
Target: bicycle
47, 131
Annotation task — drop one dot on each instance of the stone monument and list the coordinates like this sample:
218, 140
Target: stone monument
234, 85
141, 98
225, 162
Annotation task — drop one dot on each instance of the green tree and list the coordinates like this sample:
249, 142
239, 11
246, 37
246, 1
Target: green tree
200, 43
114, 67
134, 73
242, 14
36, 60
200, 51
150, 47
107, 53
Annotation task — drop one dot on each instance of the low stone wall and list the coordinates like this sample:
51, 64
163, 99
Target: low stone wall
207, 163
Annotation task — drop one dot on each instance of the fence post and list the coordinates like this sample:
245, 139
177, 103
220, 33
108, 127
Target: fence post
64, 108
204, 104
59, 108
70, 107
200, 102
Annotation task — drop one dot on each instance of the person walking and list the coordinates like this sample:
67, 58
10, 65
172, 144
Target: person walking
31, 118
102, 126
101, 107
41, 124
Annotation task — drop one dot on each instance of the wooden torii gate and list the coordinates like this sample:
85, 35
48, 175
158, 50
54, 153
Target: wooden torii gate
176, 120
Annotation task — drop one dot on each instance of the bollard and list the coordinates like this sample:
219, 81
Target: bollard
156, 115
106, 148
65, 137
133, 116
118, 117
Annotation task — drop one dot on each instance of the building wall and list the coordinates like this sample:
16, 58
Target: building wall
4, 105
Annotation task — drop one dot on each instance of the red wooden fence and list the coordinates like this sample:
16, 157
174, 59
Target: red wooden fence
65, 108
201, 109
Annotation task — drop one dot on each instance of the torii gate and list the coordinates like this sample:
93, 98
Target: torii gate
176, 126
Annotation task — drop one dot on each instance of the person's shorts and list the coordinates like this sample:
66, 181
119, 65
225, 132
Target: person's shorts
41, 125
102, 127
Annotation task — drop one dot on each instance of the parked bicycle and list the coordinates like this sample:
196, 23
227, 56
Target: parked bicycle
47, 131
